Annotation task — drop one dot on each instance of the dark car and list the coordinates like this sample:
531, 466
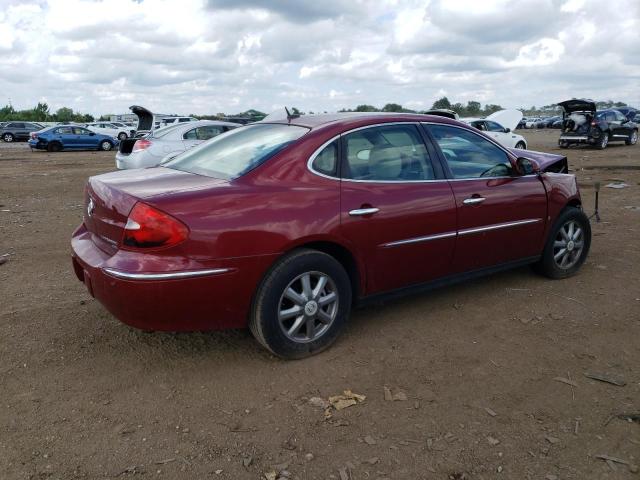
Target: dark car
581, 123
284, 225
70, 137
16, 131
550, 122
628, 112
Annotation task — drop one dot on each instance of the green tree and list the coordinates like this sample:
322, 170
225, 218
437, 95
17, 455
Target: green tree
473, 109
64, 114
366, 108
392, 107
442, 103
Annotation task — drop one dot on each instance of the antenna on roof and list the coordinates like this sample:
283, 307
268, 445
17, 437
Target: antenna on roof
290, 115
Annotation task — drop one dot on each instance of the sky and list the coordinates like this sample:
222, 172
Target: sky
210, 56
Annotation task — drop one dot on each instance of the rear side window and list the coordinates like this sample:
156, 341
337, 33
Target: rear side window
326, 161
237, 152
203, 133
64, 131
16, 125
494, 127
387, 153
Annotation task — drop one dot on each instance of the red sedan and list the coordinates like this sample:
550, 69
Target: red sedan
285, 225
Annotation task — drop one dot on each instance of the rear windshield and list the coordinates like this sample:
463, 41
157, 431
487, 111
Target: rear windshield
238, 151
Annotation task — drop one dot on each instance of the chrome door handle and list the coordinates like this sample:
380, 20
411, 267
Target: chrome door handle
358, 212
473, 200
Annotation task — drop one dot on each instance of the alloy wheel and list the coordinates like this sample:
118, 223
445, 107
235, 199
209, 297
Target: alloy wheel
634, 137
8, 138
308, 307
568, 245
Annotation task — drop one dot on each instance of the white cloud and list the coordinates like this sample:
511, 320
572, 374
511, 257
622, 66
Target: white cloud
207, 56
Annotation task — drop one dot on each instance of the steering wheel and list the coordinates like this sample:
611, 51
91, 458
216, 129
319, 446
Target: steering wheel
489, 171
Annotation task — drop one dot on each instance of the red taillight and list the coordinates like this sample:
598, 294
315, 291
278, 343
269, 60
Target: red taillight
34, 135
141, 144
593, 124
148, 227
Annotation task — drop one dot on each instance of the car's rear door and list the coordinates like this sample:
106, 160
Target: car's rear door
397, 210
501, 215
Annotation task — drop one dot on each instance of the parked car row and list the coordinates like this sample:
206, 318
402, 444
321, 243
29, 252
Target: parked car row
285, 224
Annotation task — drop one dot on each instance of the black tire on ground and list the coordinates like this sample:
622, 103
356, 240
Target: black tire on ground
575, 249
8, 137
521, 145
604, 141
633, 138
272, 324
54, 147
122, 136
563, 144
106, 145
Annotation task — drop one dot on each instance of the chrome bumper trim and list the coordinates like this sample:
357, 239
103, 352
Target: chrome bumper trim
164, 276
569, 137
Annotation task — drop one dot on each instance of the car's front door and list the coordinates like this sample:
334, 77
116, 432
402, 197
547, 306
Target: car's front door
501, 215
397, 210
85, 138
620, 126
499, 134
66, 136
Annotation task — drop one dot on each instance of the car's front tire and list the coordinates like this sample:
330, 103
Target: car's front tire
633, 138
301, 305
106, 145
567, 246
521, 145
122, 136
8, 137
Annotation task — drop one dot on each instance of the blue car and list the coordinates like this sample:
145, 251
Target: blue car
70, 137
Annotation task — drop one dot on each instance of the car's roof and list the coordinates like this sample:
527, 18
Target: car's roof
346, 119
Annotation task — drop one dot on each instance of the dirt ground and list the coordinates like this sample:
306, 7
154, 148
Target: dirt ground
488, 376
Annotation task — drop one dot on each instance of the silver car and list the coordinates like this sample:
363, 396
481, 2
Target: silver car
167, 142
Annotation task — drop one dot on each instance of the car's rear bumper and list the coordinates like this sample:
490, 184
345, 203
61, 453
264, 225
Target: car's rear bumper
206, 296
140, 159
577, 139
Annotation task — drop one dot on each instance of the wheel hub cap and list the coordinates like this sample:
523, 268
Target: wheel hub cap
311, 308
570, 245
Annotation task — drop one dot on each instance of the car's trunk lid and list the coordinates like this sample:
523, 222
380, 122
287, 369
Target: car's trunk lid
145, 118
110, 197
578, 105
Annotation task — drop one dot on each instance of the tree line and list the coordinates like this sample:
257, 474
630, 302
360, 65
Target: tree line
41, 113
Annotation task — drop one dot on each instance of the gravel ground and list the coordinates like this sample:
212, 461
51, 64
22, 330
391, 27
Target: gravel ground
487, 379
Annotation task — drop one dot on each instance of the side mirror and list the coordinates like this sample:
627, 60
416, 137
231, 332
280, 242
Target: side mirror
526, 166
507, 130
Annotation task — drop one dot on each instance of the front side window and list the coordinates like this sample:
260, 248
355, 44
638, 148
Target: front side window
494, 127
387, 153
469, 155
81, 131
16, 125
326, 161
232, 155
480, 125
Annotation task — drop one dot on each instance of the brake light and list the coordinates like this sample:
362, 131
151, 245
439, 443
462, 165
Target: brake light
594, 123
148, 227
141, 144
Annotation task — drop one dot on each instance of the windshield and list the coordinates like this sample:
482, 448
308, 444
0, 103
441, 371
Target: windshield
238, 151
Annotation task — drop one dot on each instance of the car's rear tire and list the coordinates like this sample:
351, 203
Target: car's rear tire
301, 305
106, 145
122, 136
54, 147
563, 144
604, 141
567, 246
633, 138
8, 137
521, 145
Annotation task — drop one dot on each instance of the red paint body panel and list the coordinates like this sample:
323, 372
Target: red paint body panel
407, 211
245, 225
507, 200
